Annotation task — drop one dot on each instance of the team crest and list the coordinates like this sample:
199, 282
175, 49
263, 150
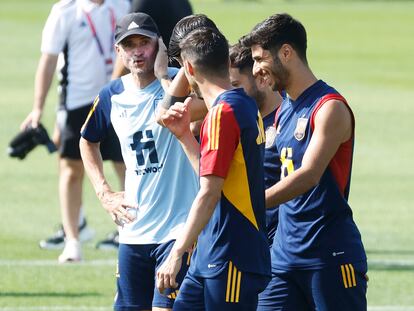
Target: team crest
300, 128
270, 136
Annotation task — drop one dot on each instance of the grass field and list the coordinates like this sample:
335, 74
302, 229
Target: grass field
365, 49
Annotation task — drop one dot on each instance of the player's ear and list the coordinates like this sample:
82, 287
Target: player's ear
189, 68
285, 52
117, 48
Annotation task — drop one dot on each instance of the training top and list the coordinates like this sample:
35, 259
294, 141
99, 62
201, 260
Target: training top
232, 141
159, 177
82, 34
271, 165
316, 229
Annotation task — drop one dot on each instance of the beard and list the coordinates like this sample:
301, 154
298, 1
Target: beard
255, 93
280, 75
259, 97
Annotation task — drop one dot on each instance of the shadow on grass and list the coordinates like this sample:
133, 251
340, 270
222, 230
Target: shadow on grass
48, 294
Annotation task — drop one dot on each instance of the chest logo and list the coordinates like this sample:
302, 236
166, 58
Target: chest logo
300, 129
270, 136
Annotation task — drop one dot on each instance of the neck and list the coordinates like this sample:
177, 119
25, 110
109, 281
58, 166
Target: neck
143, 80
301, 77
271, 102
211, 89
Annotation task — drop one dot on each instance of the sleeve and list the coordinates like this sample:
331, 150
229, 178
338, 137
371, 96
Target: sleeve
55, 32
220, 136
172, 72
98, 120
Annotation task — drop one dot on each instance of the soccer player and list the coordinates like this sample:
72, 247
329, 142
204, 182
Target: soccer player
318, 260
160, 183
231, 263
267, 100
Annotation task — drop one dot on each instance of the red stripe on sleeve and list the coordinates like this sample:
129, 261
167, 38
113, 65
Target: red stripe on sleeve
220, 136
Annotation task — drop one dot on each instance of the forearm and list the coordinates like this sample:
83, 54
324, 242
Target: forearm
176, 90
191, 148
92, 160
43, 80
179, 87
288, 188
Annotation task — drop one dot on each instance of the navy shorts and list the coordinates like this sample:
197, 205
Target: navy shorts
230, 290
70, 123
336, 288
137, 265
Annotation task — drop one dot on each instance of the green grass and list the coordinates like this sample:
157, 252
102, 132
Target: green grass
364, 49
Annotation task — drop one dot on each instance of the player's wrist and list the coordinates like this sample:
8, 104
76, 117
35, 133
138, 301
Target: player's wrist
177, 252
102, 193
185, 136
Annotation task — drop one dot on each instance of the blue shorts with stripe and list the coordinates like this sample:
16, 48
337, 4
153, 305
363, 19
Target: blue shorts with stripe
336, 288
229, 290
137, 265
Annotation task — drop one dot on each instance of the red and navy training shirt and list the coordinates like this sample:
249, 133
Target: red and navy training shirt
232, 144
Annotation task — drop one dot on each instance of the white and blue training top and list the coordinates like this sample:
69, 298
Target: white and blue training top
159, 177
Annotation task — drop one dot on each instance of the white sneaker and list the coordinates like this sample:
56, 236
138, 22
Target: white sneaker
71, 252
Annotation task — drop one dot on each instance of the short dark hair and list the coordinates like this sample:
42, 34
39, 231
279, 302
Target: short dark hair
185, 26
208, 50
241, 57
277, 30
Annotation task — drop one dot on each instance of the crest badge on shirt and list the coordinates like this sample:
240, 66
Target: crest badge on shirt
300, 129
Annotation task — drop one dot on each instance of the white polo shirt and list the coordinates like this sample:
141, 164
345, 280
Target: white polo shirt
69, 31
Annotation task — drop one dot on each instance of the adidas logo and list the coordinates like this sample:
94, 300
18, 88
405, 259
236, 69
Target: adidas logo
133, 25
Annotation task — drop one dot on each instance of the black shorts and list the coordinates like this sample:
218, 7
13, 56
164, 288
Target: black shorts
70, 123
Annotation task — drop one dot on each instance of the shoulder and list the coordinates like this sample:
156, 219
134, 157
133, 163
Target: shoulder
237, 99
221, 116
64, 6
112, 88
62, 13
334, 118
242, 106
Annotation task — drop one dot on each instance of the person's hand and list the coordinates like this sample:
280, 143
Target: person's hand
168, 271
177, 118
161, 61
33, 119
114, 203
